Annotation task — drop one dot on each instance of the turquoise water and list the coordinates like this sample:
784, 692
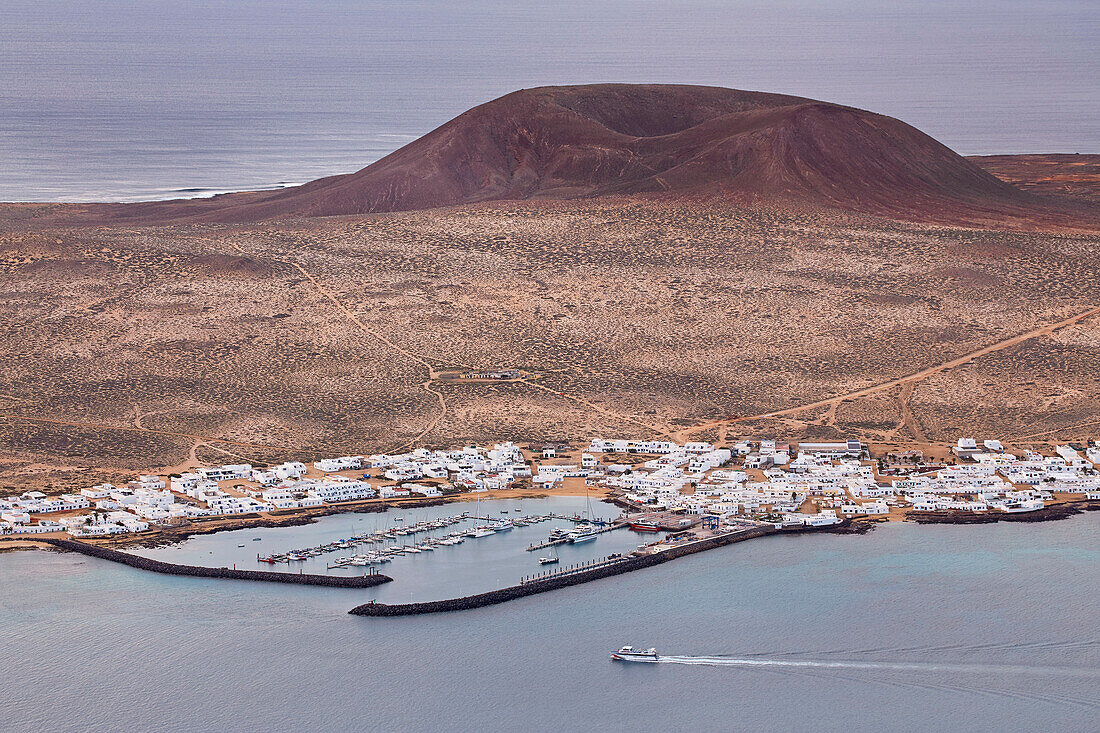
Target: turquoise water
125, 100
908, 628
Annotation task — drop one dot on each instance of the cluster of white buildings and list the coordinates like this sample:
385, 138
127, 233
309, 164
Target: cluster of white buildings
995, 480
695, 478
811, 483
242, 489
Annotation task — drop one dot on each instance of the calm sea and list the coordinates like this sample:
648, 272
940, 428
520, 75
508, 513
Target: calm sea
128, 100
909, 628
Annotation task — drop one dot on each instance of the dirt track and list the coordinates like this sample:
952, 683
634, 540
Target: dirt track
904, 382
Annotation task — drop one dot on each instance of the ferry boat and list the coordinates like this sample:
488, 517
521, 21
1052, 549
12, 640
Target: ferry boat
630, 654
642, 526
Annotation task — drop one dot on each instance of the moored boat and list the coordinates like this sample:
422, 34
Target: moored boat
587, 534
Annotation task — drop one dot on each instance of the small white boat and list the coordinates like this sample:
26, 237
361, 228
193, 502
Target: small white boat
548, 561
630, 654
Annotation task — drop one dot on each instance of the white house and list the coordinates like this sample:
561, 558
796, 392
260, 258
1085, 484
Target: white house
343, 463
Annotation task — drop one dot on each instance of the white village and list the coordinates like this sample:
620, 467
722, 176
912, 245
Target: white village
814, 484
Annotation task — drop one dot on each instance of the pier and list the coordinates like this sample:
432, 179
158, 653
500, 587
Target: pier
379, 538
578, 519
574, 569
601, 528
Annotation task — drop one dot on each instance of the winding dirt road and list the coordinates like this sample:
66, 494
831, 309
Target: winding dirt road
433, 372
905, 382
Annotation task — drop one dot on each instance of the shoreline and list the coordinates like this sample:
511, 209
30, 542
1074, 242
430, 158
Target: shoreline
165, 536
1051, 513
575, 575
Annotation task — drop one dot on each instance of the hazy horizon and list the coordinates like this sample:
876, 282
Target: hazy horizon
125, 100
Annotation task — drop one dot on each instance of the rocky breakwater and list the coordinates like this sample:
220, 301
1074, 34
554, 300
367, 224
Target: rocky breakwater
631, 563
198, 571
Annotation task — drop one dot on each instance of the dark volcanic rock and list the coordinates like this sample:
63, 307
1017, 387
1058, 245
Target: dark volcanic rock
625, 139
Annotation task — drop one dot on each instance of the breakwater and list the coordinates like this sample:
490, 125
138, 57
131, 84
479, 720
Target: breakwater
636, 562
198, 571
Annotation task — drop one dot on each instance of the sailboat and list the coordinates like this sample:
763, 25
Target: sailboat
481, 530
584, 532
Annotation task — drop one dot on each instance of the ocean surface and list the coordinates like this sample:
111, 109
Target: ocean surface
908, 628
111, 100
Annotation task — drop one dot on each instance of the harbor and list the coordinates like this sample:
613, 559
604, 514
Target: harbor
656, 554
486, 551
484, 563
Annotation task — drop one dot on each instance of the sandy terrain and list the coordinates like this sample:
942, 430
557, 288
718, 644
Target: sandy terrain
128, 348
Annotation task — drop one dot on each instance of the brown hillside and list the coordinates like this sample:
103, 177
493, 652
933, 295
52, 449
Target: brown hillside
596, 140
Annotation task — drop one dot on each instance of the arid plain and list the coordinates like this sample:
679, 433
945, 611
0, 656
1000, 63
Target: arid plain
131, 347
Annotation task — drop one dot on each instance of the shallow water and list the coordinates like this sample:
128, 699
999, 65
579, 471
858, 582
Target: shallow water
907, 628
121, 100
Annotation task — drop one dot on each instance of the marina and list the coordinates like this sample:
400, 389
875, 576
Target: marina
472, 565
382, 552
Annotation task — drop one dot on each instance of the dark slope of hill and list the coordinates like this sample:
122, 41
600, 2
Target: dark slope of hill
608, 139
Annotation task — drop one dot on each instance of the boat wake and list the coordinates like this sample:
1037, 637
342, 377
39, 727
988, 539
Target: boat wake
998, 669
987, 679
